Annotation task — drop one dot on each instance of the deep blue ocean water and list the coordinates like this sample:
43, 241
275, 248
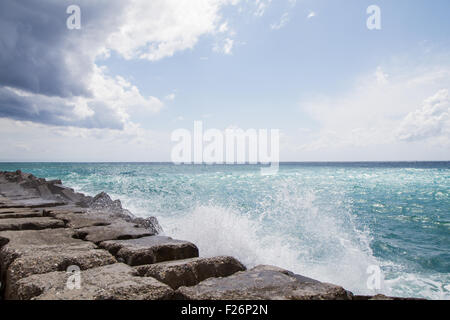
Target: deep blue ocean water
328, 221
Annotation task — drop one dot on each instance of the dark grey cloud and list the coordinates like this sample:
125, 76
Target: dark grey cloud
33, 42
40, 56
51, 111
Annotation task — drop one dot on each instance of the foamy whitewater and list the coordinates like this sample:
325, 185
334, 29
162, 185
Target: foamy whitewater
327, 221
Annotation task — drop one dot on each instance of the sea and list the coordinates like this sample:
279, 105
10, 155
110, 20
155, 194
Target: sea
371, 227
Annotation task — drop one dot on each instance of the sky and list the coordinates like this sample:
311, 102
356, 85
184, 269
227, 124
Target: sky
115, 89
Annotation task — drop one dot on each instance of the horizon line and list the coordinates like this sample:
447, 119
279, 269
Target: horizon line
231, 164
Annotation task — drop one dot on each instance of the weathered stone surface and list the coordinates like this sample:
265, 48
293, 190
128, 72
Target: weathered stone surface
24, 253
150, 223
39, 203
116, 231
21, 187
300, 278
11, 189
19, 197
72, 196
115, 281
57, 188
262, 283
11, 205
44, 191
3, 199
19, 214
17, 210
66, 209
31, 202
29, 191
103, 203
150, 250
82, 220
190, 272
38, 223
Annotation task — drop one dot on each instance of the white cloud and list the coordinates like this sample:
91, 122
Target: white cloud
170, 97
381, 77
53, 143
139, 29
225, 47
228, 46
159, 28
223, 27
283, 21
312, 14
121, 94
261, 7
431, 122
382, 110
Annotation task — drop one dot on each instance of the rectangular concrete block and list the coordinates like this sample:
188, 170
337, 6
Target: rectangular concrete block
115, 231
190, 272
37, 223
24, 253
263, 283
150, 250
111, 282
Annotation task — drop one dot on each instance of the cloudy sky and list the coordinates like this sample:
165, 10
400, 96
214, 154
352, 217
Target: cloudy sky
115, 89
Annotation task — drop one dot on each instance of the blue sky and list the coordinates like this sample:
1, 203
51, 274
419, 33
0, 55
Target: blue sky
272, 70
336, 90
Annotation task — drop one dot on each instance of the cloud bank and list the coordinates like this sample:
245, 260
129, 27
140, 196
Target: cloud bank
430, 121
50, 75
383, 108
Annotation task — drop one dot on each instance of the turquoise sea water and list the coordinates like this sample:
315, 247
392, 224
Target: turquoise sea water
328, 221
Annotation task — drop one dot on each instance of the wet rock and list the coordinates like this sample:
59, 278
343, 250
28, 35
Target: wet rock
38, 223
150, 250
102, 203
190, 272
53, 182
111, 282
65, 192
72, 196
115, 231
263, 283
150, 223
44, 191
24, 253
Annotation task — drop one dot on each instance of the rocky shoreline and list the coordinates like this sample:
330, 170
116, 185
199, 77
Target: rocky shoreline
50, 233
